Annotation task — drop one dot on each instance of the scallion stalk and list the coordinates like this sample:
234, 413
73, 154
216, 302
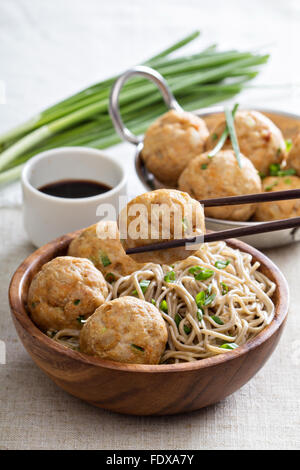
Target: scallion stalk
198, 80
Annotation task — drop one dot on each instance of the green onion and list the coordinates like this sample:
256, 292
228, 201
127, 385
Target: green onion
269, 188
223, 137
225, 288
262, 175
178, 319
204, 166
81, 319
200, 314
104, 258
275, 170
139, 348
288, 181
170, 276
204, 298
198, 80
209, 300
164, 306
153, 302
222, 264
288, 145
229, 346
200, 298
217, 320
76, 302
110, 277
201, 274
143, 285
187, 329
233, 137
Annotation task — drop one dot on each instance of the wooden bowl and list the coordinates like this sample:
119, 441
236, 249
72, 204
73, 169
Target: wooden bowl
144, 389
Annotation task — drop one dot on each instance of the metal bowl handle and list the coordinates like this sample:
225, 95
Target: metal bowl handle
114, 109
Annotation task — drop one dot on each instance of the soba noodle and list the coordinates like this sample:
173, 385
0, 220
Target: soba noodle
204, 317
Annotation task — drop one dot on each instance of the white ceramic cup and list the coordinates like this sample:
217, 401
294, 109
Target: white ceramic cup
47, 217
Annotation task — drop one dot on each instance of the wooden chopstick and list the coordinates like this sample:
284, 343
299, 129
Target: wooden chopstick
252, 198
221, 235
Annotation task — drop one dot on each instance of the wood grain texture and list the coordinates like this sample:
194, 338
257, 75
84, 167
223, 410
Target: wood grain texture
144, 389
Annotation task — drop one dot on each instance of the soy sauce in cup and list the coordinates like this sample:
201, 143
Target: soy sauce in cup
75, 188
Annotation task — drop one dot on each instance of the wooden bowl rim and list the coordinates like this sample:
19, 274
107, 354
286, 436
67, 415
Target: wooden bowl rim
20, 314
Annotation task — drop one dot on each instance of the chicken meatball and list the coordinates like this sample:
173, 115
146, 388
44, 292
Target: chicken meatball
221, 176
125, 330
171, 142
279, 209
259, 139
64, 290
293, 158
101, 244
164, 214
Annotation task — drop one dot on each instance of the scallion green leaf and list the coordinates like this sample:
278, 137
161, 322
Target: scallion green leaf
225, 288
104, 258
222, 264
139, 348
232, 134
170, 276
143, 285
217, 320
229, 346
164, 306
201, 274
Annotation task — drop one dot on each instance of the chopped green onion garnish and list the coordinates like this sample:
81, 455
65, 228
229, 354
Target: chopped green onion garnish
276, 171
278, 153
288, 181
201, 274
214, 136
139, 348
110, 277
204, 166
222, 264
224, 288
153, 302
261, 174
81, 319
269, 188
200, 314
187, 329
223, 137
204, 298
288, 144
164, 306
177, 319
170, 276
229, 346
209, 300
143, 285
76, 302
200, 298
217, 320
233, 137
104, 258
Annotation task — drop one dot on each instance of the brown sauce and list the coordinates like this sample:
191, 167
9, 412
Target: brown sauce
73, 189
